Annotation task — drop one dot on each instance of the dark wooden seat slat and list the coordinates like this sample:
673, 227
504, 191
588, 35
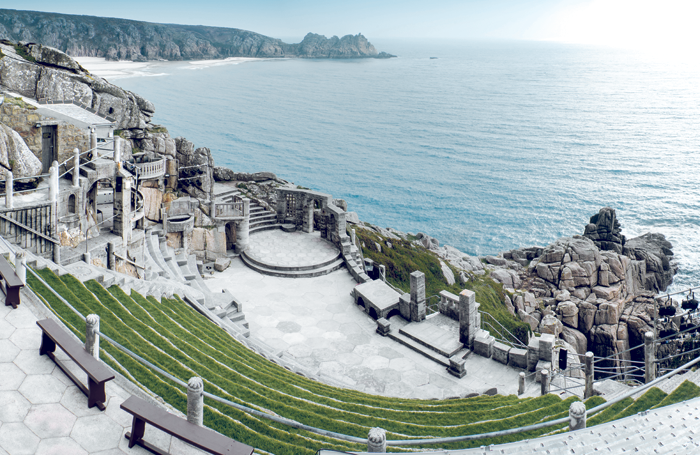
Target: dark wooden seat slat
98, 374
200, 437
11, 283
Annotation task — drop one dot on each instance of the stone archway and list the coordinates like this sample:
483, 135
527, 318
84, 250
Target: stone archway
230, 235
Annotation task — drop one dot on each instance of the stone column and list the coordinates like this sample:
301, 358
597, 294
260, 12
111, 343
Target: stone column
243, 228
544, 384
9, 190
117, 149
417, 296
468, 311
53, 182
110, 256
57, 253
122, 207
382, 272
308, 220
353, 236
195, 401
76, 169
21, 265
93, 141
649, 357
588, 391
376, 440
577, 416
521, 383
281, 206
92, 335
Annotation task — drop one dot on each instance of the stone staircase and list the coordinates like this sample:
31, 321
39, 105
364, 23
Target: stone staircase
309, 271
353, 260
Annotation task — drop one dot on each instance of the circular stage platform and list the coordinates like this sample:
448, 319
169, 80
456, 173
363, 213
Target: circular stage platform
291, 254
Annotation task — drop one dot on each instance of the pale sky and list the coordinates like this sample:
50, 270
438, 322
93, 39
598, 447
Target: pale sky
619, 23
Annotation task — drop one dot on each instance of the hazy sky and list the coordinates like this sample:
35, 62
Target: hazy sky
626, 23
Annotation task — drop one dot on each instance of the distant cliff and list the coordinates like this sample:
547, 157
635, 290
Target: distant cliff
121, 39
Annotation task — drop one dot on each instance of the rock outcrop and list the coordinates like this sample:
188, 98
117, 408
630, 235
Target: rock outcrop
604, 230
15, 155
121, 39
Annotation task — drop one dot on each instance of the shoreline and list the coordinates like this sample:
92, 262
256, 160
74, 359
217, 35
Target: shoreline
121, 69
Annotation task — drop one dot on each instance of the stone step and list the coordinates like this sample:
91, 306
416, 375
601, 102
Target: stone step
263, 214
419, 348
284, 227
447, 348
332, 267
291, 268
257, 224
153, 246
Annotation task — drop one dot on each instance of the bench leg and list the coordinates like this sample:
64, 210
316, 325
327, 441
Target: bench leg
96, 394
47, 344
138, 428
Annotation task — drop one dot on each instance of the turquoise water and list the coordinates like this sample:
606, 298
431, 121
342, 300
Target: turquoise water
489, 147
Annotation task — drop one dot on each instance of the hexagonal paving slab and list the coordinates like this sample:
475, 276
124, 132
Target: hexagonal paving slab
11, 376
6, 329
8, 351
13, 406
59, 446
42, 388
31, 362
95, 433
50, 420
17, 439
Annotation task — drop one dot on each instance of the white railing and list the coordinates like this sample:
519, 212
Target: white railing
150, 170
233, 209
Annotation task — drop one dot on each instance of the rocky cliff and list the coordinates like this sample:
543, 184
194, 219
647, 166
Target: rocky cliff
121, 39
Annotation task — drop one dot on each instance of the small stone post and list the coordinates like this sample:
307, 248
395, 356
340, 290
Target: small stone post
9, 190
110, 256
117, 149
649, 358
521, 383
382, 272
57, 253
545, 382
21, 265
376, 440
53, 182
93, 141
353, 236
577, 416
92, 335
417, 296
243, 228
195, 401
468, 320
588, 390
76, 167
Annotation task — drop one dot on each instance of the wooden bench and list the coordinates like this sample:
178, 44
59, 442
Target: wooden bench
98, 374
200, 437
10, 283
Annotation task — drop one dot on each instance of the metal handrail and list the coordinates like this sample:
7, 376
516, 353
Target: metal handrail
517, 341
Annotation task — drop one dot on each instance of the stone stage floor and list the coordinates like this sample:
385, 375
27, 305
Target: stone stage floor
290, 249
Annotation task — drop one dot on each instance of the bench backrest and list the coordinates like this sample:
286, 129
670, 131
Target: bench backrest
93, 367
8, 273
200, 437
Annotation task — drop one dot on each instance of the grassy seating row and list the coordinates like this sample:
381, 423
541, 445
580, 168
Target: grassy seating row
179, 340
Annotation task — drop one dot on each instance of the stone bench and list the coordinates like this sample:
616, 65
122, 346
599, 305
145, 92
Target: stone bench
201, 437
98, 374
10, 283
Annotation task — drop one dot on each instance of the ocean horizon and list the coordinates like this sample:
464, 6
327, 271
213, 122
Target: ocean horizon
488, 147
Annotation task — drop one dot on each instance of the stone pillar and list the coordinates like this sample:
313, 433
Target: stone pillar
9, 190
281, 206
521, 383
382, 272
376, 440
76, 169
308, 220
544, 384
57, 253
122, 207
468, 311
353, 236
649, 357
417, 296
92, 335
577, 416
53, 182
21, 265
588, 390
110, 256
93, 141
87, 257
243, 228
117, 149
195, 401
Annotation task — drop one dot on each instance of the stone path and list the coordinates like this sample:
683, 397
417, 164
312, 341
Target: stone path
316, 321
42, 412
290, 249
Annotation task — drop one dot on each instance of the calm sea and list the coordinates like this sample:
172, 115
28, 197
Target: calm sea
488, 147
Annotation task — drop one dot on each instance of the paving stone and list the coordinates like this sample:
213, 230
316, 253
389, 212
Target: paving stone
288, 327
42, 388
17, 439
8, 351
427, 391
349, 358
415, 378
27, 338
21, 318
31, 362
6, 329
60, 446
13, 406
97, 432
50, 420
402, 364
387, 375
11, 376
375, 362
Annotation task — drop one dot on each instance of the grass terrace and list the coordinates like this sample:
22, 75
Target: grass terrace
173, 336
